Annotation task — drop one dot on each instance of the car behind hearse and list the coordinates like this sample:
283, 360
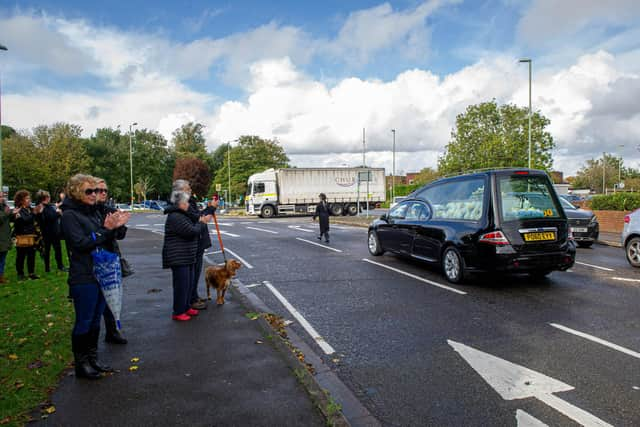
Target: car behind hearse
507, 220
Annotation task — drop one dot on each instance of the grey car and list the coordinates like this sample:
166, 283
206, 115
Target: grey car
583, 223
631, 237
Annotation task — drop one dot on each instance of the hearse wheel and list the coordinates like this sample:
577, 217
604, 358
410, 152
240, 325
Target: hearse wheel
452, 265
374, 244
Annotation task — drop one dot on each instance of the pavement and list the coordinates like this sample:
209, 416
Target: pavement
415, 350
610, 239
217, 369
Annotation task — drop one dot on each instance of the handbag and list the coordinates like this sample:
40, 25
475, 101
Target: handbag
125, 267
25, 240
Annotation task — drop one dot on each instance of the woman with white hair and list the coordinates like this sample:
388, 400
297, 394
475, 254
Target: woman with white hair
181, 237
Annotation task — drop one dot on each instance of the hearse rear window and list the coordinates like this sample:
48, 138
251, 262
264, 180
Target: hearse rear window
526, 197
459, 200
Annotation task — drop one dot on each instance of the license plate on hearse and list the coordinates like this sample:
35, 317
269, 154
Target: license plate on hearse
540, 236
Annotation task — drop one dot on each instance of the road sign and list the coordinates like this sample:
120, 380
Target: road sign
218, 187
513, 381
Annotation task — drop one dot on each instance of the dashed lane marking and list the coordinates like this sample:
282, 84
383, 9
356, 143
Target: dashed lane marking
324, 345
318, 244
226, 233
624, 279
597, 340
413, 276
595, 266
240, 258
263, 230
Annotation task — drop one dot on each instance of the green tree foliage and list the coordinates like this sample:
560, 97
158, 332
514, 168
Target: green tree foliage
18, 164
196, 171
218, 157
616, 202
252, 154
189, 141
487, 135
590, 175
6, 131
426, 176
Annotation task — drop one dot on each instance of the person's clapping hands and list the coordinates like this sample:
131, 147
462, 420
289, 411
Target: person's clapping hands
116, 219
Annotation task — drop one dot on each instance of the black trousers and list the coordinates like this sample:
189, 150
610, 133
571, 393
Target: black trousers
196, 277
57, 250
182, 283
30, 255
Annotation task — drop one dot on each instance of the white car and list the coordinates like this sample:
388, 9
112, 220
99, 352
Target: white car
123, 207
631, 237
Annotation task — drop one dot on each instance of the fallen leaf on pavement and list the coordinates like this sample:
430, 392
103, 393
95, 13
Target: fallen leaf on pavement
13, 357
50, 410
135, 359
133, 368
335, 360
259, 342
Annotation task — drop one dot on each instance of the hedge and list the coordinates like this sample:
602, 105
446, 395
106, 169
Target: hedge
616, 202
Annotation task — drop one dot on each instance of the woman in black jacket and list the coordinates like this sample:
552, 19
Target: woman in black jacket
24, 230
84, 230
181, 236
49, 221
323, 212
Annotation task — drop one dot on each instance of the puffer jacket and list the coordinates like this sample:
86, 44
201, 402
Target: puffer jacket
181, 237
25, 223
79, 221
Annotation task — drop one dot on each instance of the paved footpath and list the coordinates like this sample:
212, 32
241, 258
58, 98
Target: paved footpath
209, 371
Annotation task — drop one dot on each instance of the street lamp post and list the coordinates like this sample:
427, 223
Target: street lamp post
393, 174
131, 158
528, 60
2, 47
229, 170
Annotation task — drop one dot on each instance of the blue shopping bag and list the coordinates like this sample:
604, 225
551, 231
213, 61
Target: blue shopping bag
106, 268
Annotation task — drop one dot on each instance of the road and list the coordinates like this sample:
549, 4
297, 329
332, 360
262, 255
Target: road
418, 351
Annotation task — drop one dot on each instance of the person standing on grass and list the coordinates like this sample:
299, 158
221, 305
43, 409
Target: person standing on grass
49, 221
85, 230
322, 212
181, 241
5, 234
112, 334
24, 229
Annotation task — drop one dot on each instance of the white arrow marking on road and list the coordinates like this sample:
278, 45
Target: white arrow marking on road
525, 420
597, 340
595, 266
513, 381
263, 229
297, 227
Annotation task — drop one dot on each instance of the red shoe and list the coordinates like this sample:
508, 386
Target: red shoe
192, 312
181, 317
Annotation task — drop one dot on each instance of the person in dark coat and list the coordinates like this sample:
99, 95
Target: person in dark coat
204, 240
181, 241
5, 234
49, 220
323, 213
24, 219
84, 230
112, 334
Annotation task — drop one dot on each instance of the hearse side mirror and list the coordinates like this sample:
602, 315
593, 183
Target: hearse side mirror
384, 217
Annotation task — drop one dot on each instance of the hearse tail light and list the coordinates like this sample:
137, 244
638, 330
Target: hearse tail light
494, 238
627, 219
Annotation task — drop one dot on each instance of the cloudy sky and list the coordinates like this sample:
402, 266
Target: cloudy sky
313, 74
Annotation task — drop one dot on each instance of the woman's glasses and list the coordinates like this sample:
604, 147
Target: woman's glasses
90, 191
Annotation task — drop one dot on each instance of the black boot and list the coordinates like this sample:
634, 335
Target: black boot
93, 352
112, 334
81, 357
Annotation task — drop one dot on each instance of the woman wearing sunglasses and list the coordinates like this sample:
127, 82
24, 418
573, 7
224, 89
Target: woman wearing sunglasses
85, 229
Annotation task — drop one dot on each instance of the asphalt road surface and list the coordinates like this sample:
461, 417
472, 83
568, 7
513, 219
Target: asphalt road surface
418, 351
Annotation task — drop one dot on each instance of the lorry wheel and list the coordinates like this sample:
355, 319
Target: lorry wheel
267, 211
352, 209
336, 209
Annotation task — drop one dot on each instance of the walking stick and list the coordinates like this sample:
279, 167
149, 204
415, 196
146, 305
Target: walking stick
224, 255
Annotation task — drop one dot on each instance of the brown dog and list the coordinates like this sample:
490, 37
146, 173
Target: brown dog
219, 277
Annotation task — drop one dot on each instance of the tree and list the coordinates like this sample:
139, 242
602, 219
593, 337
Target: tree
142, 188
189, 141
426, 176
196, 172
7, 131
487, 136
591, 174
19, 170
109, 149
252, 154
218, 157
153, 159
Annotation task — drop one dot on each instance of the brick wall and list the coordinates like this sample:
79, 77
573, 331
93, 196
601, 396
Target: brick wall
611, 221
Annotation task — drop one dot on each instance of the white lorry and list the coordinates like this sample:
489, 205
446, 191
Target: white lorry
295, 190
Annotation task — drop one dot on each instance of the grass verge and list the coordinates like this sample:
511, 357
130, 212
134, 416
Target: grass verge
35, 322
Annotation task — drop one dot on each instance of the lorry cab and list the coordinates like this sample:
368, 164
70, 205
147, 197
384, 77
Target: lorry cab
262, 194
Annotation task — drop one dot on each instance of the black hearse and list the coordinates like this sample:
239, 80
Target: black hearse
507, 220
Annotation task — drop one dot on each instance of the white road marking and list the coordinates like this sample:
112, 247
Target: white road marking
624, 279
239, 258
318, 244
158, 232
413, 276
158, 225
597, 340
595, 266
144, 225
263, 229
303, 322
297, 227
226, 233
523, 419
253, 285
213, 253
513, 381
